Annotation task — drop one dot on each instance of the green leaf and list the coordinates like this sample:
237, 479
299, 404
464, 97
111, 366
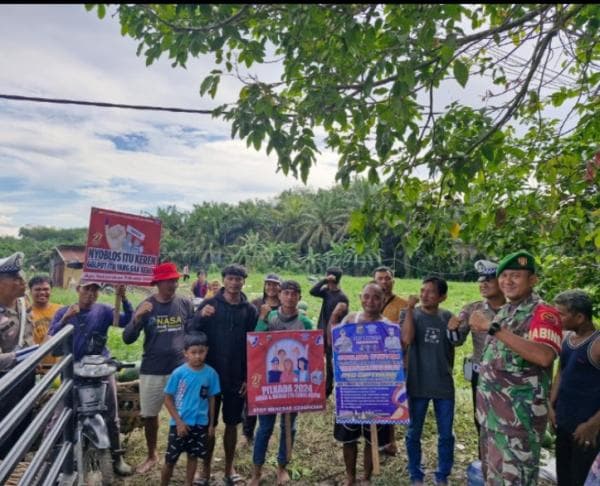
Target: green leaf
558, 98
461, 72
206, 84
488, 151
101, 10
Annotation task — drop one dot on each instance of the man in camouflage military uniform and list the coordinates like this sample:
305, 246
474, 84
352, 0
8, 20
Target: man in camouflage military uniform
515, 375
493, 300
15, 333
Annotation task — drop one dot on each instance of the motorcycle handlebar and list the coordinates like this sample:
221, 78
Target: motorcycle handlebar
120, 365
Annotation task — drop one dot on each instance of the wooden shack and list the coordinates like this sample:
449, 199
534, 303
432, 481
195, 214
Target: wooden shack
61, 273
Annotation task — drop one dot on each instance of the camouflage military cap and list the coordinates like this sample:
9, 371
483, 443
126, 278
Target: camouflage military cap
13, 264
519, 260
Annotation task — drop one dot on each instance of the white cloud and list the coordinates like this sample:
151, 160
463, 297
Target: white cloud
58, 161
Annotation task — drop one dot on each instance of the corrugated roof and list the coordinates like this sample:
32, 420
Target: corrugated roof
70, 253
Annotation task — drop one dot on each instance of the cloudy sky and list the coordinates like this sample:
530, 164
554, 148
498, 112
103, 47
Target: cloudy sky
56, 162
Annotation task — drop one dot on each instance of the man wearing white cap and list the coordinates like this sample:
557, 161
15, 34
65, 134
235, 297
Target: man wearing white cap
15, 325
493, 300
15, 333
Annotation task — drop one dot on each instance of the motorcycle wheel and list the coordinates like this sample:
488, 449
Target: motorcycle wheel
98, 467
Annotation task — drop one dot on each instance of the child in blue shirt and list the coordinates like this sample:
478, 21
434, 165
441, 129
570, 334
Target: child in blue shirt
190, 400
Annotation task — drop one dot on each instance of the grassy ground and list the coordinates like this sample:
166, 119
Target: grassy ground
317, 456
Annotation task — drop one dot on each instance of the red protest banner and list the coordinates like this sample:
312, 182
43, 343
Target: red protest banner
121, 248
285, 372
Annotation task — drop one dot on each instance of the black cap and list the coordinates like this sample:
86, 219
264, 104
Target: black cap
291, 285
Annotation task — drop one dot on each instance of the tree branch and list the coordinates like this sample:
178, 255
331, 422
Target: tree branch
539, 51
504, 27
460, 42
206, 28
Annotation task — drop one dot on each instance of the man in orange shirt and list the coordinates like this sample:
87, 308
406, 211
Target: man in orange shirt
392, 306
392, 303
42, 311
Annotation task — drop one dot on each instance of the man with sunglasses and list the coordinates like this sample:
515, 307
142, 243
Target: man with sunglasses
493, 300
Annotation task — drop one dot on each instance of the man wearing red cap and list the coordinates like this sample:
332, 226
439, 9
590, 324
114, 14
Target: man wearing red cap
163, 318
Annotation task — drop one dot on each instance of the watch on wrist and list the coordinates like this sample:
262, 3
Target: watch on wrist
494, 328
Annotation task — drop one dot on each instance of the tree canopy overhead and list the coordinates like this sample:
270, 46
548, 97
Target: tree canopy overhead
513, 162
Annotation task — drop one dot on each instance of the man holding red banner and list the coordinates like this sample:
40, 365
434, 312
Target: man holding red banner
286, 318
91, 322
515, 375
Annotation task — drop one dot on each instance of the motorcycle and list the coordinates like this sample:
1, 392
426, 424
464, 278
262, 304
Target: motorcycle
92, 448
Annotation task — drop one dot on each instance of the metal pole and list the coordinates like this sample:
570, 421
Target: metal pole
69, 431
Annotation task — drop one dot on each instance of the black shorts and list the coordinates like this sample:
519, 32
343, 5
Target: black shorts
351, 433
233, 407
194, 443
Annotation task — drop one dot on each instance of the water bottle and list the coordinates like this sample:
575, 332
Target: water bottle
474, 474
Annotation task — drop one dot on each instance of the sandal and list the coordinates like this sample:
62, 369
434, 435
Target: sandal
234, 480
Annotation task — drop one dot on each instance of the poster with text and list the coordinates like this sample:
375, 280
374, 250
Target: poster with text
121, 248
370, 383
285, 372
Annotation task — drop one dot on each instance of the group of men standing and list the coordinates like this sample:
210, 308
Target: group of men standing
516, 337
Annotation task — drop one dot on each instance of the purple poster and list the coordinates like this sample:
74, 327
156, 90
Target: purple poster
370, 384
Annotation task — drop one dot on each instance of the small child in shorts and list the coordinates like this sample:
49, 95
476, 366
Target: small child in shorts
190, 400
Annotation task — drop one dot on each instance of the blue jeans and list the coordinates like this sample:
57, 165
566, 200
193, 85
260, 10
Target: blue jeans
444, 417
266, 424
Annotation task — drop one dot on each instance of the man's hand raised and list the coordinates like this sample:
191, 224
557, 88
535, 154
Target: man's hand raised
144, 309
73, 310
479, 322
207, 311
413, 300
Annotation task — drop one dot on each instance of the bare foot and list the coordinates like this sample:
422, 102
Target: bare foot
246, 441
390, 450
147, 466
282, 476
255, 481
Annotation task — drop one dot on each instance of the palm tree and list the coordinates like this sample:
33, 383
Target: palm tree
325, 221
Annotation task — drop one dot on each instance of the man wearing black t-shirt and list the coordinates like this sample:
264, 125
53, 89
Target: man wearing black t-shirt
430, 361
164, 318
328, 289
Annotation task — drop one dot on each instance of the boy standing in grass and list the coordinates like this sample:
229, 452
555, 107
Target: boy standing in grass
190, 400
